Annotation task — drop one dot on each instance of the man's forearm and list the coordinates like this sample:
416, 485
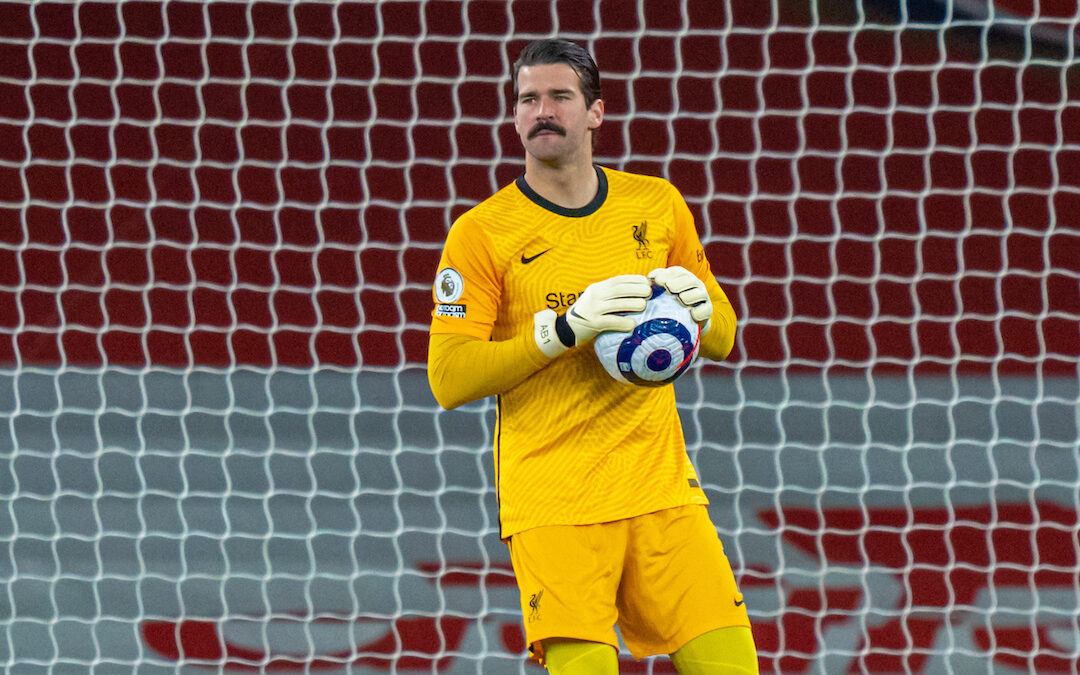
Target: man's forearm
718, 342
462, 368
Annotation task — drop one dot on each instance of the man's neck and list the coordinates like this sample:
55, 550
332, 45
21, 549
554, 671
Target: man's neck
570, 186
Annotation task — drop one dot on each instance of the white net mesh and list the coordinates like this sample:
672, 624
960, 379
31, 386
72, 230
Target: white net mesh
220, 222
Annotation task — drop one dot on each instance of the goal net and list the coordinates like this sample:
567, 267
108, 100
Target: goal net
219, 224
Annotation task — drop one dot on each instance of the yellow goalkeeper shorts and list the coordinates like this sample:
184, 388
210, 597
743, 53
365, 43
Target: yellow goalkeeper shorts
663, 577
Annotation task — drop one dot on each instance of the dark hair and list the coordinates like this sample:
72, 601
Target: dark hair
542, 52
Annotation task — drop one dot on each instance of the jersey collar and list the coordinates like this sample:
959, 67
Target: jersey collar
587, 210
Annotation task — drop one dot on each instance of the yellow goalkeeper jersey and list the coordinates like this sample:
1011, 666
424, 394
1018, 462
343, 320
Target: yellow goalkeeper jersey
572, 445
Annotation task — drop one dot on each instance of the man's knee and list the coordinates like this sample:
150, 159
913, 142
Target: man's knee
725, 650
579, 657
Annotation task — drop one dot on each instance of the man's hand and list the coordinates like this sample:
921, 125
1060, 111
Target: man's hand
598, 309
690, 291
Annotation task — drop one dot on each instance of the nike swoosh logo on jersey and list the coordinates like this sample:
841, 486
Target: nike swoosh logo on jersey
526, 261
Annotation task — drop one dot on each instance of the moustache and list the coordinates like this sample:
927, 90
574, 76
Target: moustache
546, 126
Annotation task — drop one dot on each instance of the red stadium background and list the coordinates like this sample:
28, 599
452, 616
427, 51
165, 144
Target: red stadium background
879, 185
257, 184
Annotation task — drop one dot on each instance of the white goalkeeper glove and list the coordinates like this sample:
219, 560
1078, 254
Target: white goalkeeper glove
691, 292
598, 309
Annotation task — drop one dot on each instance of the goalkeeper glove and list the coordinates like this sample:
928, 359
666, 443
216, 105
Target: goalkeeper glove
691, 292
599, 308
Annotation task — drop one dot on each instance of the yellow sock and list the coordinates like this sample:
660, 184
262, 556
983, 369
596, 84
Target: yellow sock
725, 650
578, 657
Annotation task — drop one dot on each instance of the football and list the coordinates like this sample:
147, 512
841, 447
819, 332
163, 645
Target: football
661, 347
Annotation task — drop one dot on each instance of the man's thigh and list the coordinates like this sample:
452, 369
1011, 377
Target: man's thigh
568, 578
677, 582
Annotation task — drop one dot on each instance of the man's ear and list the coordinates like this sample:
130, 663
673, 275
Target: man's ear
596, 114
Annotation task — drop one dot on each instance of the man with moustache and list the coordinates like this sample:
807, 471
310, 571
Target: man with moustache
599, 503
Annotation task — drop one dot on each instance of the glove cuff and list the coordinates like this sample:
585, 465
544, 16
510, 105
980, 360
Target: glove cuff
545, 334
565, 332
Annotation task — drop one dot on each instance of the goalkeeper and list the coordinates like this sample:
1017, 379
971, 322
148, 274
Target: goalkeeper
599, 504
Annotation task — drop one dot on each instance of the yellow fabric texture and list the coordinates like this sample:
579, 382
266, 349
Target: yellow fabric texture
572, 446
723, 651
662, 576
493, 367
574, 657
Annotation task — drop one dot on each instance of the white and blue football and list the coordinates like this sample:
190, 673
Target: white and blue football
661, 347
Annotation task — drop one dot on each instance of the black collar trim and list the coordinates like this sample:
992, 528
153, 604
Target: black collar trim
587, 210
